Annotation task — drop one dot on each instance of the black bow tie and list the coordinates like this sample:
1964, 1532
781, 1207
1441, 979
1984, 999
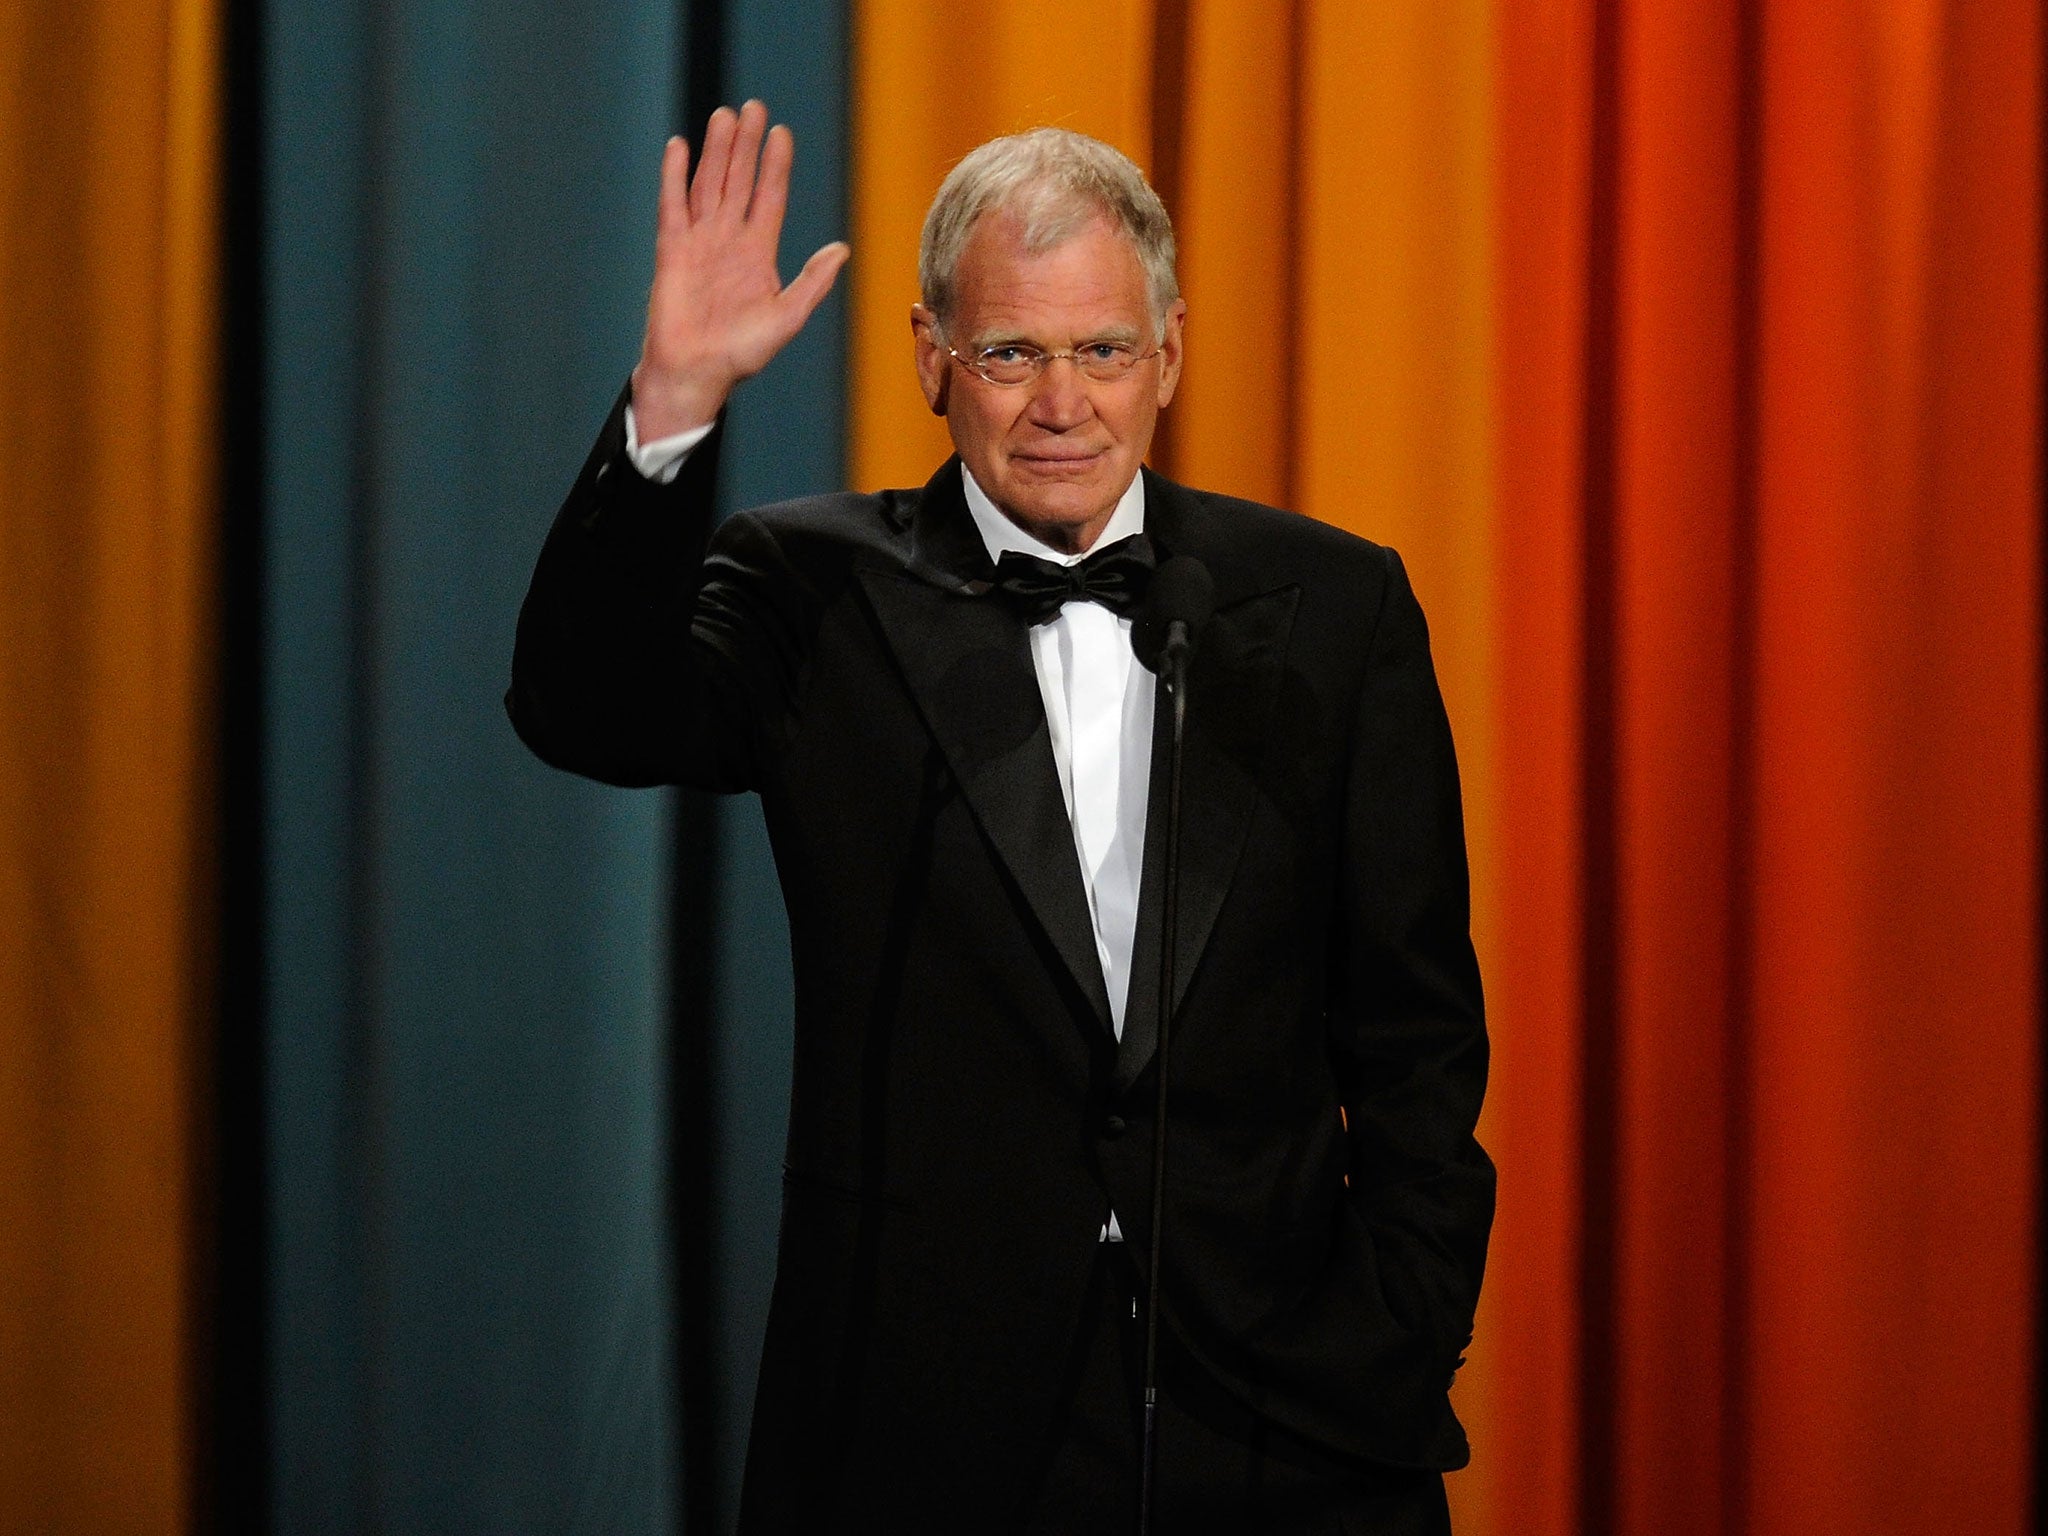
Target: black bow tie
1114, 577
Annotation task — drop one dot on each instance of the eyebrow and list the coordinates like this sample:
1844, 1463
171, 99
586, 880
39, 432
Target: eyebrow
1122, 335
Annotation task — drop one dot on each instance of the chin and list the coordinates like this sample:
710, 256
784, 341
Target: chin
1045, 516
1060, 502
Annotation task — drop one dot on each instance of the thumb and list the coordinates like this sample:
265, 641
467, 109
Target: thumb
807, 290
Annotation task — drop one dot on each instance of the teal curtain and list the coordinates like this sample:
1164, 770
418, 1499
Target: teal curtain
471, 1280
469, 1319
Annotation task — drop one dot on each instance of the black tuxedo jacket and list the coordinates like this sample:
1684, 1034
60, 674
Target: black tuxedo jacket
963, 1117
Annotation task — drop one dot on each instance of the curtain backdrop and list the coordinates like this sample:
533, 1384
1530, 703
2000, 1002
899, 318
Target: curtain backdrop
108, 114
1768, 343
1691, 353
465, 1013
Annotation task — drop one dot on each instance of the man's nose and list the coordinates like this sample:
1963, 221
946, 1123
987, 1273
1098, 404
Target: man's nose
1059, 399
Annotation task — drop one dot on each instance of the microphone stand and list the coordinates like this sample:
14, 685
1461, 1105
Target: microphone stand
1173, 664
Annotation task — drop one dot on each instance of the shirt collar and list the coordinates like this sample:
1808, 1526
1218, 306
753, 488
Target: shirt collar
1002, 536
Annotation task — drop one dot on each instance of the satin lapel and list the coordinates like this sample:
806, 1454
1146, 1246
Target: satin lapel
967, 663
1232, 683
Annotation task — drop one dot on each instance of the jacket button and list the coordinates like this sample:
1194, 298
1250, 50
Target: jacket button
1115, 1126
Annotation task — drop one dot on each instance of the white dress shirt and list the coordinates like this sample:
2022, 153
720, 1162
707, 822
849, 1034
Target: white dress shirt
1098, 709
662, 460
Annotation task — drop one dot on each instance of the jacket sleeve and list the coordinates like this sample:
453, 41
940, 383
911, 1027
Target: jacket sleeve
650, 649
1407, 1022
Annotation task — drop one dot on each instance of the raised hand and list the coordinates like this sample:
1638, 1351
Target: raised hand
719, 311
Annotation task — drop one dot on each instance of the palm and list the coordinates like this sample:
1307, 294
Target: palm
719, 310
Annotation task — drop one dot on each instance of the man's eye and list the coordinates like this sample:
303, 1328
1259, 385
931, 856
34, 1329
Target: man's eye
1008, 354
1104, 351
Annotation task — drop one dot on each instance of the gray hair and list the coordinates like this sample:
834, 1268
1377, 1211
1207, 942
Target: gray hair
1056, 182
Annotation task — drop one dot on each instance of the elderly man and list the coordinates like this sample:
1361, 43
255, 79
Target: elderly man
934, 693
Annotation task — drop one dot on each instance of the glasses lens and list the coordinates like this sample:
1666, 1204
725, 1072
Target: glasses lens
1106, 360
1010, 365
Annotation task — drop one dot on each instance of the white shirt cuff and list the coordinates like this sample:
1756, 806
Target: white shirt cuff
662, 460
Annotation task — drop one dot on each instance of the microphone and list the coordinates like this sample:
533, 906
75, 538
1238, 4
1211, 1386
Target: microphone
1178, 602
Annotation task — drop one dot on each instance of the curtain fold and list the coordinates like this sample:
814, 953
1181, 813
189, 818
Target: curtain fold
1892, 908
108, 193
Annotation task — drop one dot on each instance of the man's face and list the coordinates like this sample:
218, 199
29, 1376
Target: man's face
1054, 454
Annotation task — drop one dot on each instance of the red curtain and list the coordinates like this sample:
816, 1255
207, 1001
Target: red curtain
1769, 370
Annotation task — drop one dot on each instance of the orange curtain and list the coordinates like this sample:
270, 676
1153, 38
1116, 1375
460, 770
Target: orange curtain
1692, 355
107, 217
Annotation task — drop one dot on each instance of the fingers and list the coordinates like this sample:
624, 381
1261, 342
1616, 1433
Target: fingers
708, 189
732, 158
673, 214
771, 197
746, 159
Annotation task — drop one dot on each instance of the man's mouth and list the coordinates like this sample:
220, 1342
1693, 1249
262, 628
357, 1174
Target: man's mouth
1059, 459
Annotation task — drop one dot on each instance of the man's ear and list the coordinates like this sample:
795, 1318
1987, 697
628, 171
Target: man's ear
933, 374
1171, 337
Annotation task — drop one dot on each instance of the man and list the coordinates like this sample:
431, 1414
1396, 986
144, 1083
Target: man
957, 757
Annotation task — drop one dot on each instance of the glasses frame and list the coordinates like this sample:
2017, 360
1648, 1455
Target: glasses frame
975, 363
